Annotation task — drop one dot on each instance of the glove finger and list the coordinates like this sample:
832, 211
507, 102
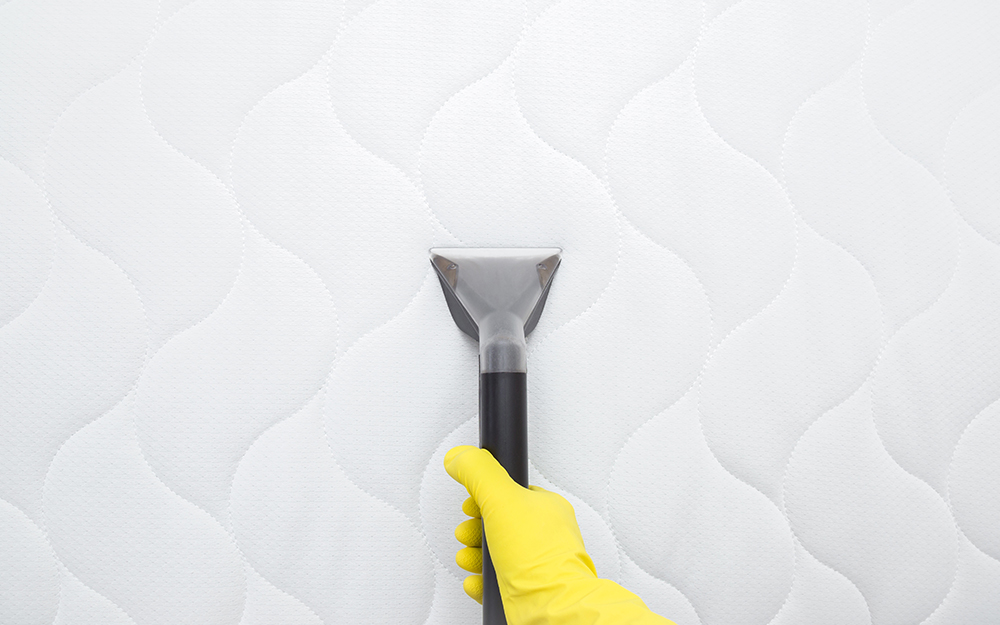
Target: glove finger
537, 489
473, 586
470, 559
480, 473
470, 532
471, 509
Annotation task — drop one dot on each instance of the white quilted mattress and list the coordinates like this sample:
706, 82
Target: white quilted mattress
766, 377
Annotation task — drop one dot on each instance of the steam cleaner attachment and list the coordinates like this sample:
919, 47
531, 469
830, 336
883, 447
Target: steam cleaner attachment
496, 296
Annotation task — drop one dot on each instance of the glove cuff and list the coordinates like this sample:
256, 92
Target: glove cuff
582, 600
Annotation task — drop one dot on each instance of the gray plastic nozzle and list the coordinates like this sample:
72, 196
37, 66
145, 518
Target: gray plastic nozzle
496, 296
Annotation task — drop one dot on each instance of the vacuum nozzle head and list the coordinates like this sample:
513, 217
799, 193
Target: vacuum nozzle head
496, 296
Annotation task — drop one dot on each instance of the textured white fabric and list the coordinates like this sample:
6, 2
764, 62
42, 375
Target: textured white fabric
767, 375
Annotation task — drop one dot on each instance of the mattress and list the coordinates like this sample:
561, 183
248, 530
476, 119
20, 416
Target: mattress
766, 376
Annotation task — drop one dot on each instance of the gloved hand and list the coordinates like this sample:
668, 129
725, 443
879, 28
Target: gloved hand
542, 567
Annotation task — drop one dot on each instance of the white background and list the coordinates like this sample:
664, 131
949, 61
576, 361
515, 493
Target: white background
766, 375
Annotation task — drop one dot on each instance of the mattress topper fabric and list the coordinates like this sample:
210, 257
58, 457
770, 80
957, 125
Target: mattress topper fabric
766, 375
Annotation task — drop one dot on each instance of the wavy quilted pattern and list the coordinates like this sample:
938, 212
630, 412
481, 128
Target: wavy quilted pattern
766, 377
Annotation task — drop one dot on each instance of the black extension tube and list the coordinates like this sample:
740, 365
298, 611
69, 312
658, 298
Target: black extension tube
503, 431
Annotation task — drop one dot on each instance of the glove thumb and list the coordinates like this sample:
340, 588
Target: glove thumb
479, 472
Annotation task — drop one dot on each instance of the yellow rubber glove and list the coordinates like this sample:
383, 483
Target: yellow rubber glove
543, 570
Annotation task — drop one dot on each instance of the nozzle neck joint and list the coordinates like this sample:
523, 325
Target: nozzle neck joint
502, 348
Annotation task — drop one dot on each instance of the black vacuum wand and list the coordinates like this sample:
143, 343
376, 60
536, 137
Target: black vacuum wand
496, 296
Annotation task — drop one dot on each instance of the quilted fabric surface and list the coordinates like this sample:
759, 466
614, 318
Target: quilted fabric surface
766, 377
